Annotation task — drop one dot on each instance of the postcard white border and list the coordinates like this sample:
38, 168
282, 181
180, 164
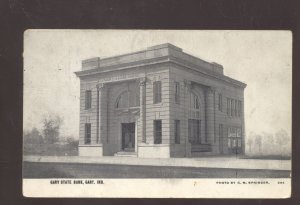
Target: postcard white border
162, 188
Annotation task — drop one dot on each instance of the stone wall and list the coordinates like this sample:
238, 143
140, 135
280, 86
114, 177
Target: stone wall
182, 74
106, 139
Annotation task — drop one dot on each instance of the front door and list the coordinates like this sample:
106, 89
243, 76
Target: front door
234, 146
194, 131
128, 137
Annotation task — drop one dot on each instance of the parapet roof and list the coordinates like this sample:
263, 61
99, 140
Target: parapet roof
158, 53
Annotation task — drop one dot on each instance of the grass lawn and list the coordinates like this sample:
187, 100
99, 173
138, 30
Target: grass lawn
271, 157
68, 170
50, 150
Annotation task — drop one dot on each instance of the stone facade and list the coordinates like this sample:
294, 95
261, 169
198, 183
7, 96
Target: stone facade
199, 111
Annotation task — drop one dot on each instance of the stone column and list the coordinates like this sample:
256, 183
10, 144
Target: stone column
101, 113
142, 83
209, 109
187, 93
136, 135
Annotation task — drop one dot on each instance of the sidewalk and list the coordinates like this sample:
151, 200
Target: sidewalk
207, 162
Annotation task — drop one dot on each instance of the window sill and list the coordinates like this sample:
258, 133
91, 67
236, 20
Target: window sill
157, 104
153, 145
127, 108
90, 145
233, 117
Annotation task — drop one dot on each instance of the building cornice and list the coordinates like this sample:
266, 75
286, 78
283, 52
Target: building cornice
119, 67
155, 61
217, 76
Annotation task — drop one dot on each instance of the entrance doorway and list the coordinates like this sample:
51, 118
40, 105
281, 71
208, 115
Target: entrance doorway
234, 146
194, 131
128, 137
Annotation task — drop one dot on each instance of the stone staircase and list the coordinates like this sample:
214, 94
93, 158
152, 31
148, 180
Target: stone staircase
201, 148
125, 154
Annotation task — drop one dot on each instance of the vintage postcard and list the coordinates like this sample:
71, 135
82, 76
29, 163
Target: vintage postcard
157, 113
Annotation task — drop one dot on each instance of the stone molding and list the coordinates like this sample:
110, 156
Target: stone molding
142, 81
100, 86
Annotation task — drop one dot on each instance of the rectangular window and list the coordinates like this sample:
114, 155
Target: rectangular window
87, 137
177, 92
239, 108
229, 132
177, 131
232, 107
235, 108
239, 143
221, 130
238, 132
229, 143
88, 99
157, 92
233, 132
228, 106
234, 143
157, 132
220, 102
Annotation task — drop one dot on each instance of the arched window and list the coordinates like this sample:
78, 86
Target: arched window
195, 106
128, 99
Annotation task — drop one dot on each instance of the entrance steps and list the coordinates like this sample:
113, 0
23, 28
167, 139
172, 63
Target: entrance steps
125, 154
201, 148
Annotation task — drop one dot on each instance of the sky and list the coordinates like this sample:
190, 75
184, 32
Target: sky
261, 59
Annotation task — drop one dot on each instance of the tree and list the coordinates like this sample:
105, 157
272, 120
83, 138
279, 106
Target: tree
51, 128
33, 137
258, 142
72, 142
268, 138
249, 143
281, 137
268, 145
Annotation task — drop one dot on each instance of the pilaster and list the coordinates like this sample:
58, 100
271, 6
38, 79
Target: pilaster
210, 121
142, 84
187, 91
101, 113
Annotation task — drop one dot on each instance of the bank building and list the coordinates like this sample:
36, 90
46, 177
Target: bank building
159, 103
